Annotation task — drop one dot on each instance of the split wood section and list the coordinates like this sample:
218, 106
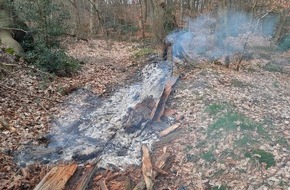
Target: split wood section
57, 177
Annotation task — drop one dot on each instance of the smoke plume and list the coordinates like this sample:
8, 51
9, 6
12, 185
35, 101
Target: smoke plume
214, 37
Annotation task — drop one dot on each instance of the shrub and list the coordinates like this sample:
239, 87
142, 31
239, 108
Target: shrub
52, 60
48, 20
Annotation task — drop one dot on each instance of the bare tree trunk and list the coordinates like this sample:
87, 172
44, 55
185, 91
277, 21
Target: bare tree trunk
95, 17
145, 11
181, 11
226, 14
77, 19
279, 31
142, 19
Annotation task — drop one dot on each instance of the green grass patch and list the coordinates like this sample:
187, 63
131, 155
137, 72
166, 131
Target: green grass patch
188, 148
240, 84
143, 52
262, 156
208, 156
233, 120
272, 67
215, 108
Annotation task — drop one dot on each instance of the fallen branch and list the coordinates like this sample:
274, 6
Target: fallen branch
7, 87
160, 163
16, 29
75, 36
169, 130
9, 65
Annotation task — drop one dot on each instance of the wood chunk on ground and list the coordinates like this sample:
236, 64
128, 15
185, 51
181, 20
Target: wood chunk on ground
57, 177
147, 167
169, 130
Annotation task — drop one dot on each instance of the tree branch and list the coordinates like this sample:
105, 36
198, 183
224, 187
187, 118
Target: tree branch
17, 29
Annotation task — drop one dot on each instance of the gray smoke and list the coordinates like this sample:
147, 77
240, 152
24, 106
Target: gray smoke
213, 37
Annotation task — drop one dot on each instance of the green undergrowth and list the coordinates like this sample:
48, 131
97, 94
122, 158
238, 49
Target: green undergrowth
262, 156
273, 67
143, 52
232, 121
215, 108
246, 132
208, 156
51, 60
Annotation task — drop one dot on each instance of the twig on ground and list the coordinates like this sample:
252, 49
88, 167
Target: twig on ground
169, 130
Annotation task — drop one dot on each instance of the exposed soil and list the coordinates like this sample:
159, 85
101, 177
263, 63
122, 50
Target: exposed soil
234, 130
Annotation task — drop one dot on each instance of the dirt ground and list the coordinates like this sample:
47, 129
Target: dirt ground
234, 130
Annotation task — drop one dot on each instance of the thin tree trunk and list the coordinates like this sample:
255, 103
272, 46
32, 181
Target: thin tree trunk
93, 17
142, 24
181, 11
278, 34
78, 18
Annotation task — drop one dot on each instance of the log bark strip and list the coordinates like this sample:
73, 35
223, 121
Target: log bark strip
57, 177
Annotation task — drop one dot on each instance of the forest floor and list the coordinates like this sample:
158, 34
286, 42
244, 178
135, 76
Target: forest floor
235, 125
